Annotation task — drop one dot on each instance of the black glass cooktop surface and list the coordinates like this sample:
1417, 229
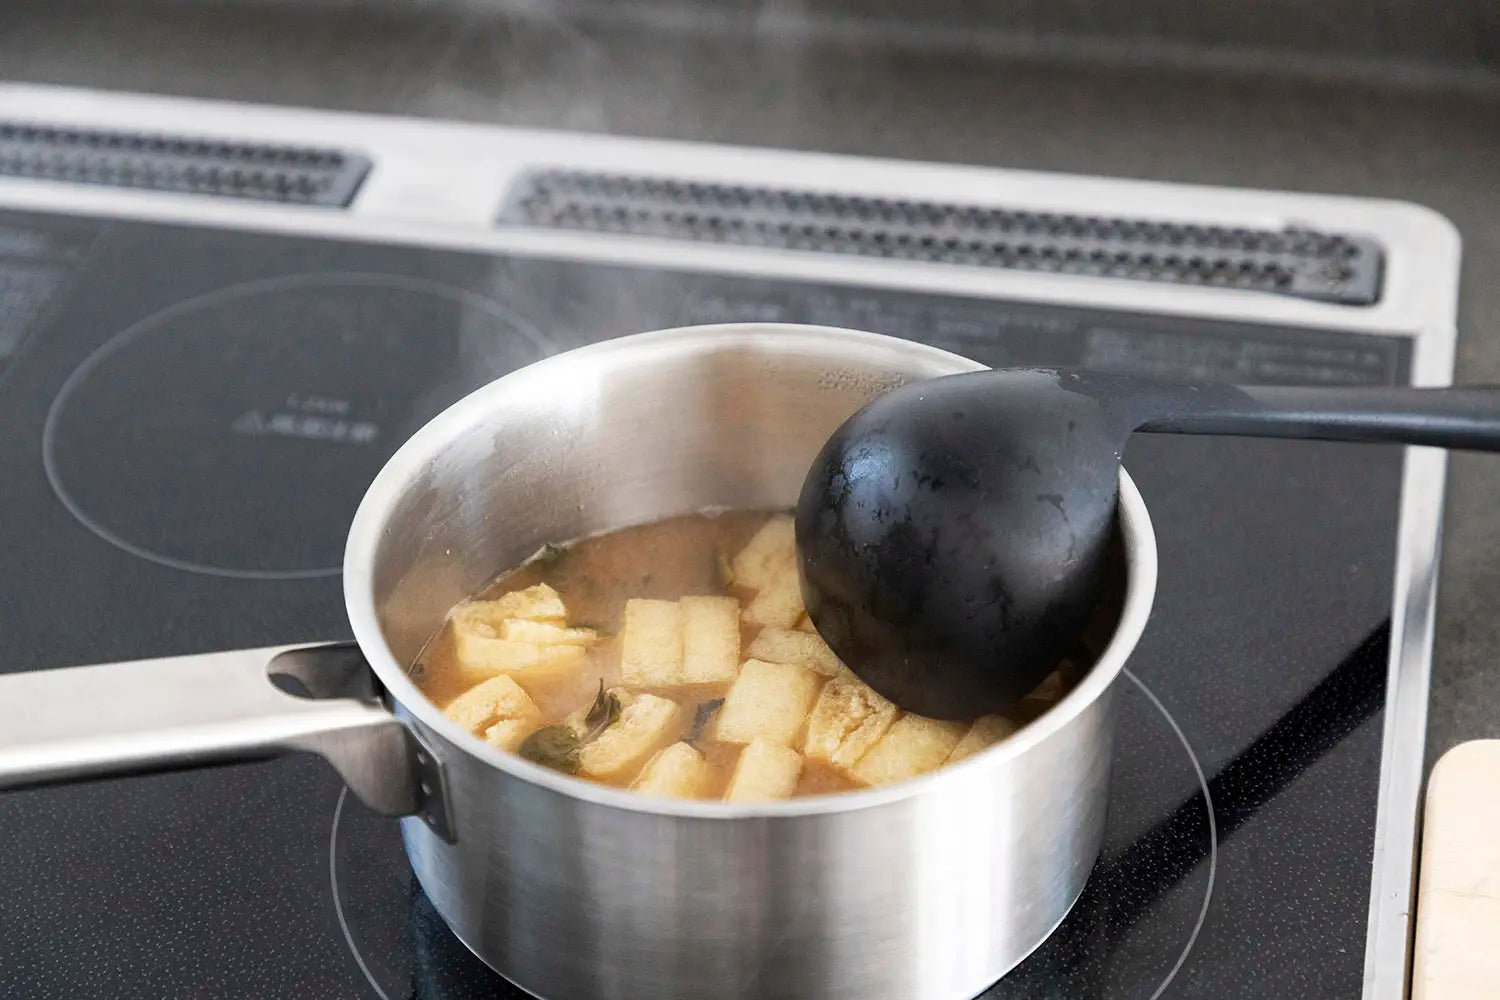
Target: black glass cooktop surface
188, 418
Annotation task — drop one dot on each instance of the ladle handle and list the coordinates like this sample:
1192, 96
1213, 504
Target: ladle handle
1462, 417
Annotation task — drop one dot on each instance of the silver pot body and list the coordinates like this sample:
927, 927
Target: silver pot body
930, 889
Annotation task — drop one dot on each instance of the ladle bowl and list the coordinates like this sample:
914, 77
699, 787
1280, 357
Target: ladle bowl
953, 533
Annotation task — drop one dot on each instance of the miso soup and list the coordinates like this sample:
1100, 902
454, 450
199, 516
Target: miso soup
676, 659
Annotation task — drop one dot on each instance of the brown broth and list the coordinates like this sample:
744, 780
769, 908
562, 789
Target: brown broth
666, 560
595, 577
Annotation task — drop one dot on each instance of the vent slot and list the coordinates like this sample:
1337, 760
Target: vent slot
1304, 263
184, 164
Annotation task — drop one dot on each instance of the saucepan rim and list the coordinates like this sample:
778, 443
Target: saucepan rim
406, 466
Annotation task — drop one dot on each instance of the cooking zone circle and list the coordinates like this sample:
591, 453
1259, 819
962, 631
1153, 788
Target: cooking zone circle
1127, 938
186, 437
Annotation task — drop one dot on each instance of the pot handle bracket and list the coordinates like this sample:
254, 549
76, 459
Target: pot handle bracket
180, 712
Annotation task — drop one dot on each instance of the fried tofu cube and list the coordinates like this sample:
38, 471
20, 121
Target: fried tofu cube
546, 633
913, 745
651, 643
477, 618
678, 771
780, 645
509, 734
766, 555
646, 724
848, 719
984, 732
710, 641
779, 602
766, 771
538, 603
498, 703
1051, 689
1072, 671
479, 653
1046, 694
768, 701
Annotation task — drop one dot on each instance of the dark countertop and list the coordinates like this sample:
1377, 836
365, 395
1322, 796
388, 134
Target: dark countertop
1439, 145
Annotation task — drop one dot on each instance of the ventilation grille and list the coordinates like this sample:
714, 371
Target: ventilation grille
180, 163
1296, 262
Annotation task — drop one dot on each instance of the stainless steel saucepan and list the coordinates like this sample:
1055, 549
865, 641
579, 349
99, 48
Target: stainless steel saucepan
929, 889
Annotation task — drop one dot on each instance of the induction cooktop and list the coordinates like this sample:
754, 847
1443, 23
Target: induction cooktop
217, 321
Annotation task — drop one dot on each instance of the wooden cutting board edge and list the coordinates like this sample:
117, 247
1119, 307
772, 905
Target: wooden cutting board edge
1456, 946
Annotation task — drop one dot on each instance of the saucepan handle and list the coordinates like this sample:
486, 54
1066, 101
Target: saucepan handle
180, 712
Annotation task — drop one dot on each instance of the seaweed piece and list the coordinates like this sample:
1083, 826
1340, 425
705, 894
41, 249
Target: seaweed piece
553, 746
702, 717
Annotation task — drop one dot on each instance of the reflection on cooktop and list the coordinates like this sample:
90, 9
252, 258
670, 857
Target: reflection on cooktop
184, 438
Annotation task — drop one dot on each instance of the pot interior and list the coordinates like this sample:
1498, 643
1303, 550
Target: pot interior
610, 436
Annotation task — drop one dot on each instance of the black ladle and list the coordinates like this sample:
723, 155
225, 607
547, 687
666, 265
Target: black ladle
954, 533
